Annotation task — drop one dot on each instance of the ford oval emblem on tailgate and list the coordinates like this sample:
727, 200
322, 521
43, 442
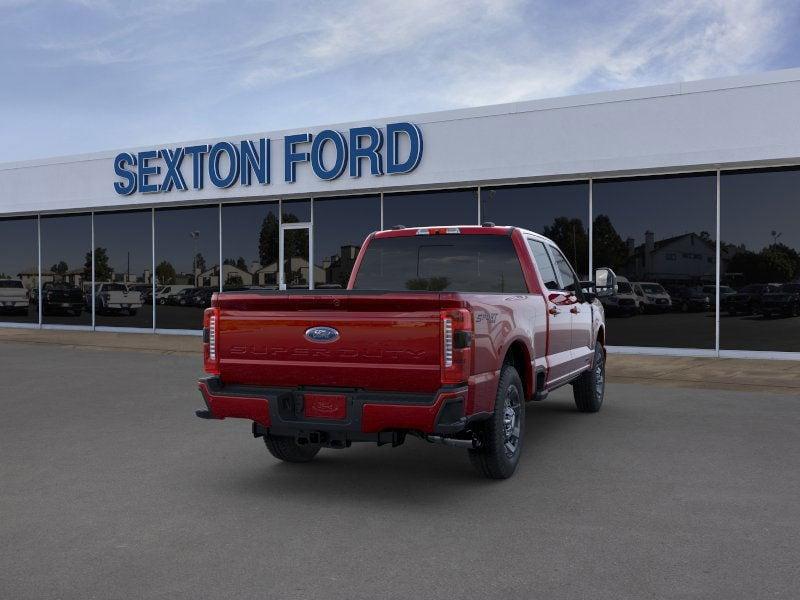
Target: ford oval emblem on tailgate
322, 334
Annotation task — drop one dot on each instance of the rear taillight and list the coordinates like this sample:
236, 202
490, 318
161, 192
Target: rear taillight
210, 337
456, 345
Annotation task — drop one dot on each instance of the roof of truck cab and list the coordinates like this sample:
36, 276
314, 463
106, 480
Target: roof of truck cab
457, 230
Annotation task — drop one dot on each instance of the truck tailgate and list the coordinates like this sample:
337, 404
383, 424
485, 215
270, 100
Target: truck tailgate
385, 341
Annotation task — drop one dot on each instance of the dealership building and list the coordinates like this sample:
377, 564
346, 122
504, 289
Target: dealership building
689, 191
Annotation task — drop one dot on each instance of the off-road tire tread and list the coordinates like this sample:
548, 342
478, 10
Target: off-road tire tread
490, 459
583, 390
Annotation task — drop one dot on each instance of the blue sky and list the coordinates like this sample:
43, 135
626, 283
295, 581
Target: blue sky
89, 75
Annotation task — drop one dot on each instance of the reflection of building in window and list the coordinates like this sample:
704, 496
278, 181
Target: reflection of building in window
337, 268
673, 260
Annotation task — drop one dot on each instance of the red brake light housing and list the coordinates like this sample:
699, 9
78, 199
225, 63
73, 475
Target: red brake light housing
457, 338
210, 341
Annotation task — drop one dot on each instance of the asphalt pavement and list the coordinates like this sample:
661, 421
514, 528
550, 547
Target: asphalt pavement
111, 488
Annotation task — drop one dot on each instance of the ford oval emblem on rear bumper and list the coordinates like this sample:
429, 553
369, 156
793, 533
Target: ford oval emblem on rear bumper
322, 334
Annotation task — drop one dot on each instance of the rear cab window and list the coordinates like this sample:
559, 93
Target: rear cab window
438, 263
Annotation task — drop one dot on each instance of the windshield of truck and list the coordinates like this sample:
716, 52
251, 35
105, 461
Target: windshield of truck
10, 283
455, 263
653, 288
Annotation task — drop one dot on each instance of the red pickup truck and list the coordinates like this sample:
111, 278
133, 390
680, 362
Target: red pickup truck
443, 333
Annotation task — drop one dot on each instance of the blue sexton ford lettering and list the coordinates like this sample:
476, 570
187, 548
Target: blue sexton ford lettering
329, 153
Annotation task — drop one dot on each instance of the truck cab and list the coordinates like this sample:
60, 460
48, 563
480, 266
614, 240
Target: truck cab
443, 333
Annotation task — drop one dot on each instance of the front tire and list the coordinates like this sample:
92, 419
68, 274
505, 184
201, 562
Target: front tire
502, 434
589, 389
288, 450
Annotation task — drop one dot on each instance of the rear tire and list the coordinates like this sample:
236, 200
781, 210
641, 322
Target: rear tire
589, 389
502, 434
288, 450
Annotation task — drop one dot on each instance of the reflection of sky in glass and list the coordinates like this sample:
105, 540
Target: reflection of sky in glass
452, 207
241, 228
667, 206
173, 236
342, 221
19, 246
536, 206
66, 238
753, 205
125, 234
301, 209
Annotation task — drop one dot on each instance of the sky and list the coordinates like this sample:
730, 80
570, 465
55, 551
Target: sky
91, 75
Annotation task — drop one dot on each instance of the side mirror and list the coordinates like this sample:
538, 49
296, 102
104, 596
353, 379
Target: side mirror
605, 282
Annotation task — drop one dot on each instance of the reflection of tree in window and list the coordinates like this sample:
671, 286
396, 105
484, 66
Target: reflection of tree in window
571, 236
610, 249
102, 270
268, 240
165, 273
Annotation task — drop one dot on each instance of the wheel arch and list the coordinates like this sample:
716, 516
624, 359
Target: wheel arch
519, 357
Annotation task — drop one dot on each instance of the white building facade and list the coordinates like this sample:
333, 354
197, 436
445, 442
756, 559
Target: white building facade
686, 185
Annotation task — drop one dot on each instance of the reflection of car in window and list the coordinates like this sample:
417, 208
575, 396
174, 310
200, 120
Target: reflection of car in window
748, 299
14, 298
62, 298
689, 299
725, 292
653, 297
624, 301
784, 300
115, 298
183, 297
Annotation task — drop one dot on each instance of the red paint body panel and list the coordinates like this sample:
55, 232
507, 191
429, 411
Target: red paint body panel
382, 417
222, 406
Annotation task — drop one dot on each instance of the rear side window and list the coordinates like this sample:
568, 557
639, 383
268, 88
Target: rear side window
544, 264
453, 263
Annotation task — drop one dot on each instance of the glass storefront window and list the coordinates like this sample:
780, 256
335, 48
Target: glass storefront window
19, 270
340, 227
296, 211
559, 211
250, 245
419, 209
760, 260
187, 264
657, 235
67, 269
123, 265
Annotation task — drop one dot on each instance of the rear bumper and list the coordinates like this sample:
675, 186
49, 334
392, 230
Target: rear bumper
280, 410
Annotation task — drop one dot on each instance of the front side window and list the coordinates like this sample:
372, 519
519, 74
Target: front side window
544, 264
453, 263
568, 278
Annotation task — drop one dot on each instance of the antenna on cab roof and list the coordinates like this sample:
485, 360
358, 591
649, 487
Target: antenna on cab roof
487, 224
397, 227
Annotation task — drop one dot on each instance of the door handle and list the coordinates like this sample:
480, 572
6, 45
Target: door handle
553, 310
574, 310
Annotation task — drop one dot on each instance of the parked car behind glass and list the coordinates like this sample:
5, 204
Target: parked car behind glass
652, 297
690, 299
748, 299
14, 298
62, 298
783, 301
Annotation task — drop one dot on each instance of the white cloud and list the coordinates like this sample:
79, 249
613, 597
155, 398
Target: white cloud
658, 43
